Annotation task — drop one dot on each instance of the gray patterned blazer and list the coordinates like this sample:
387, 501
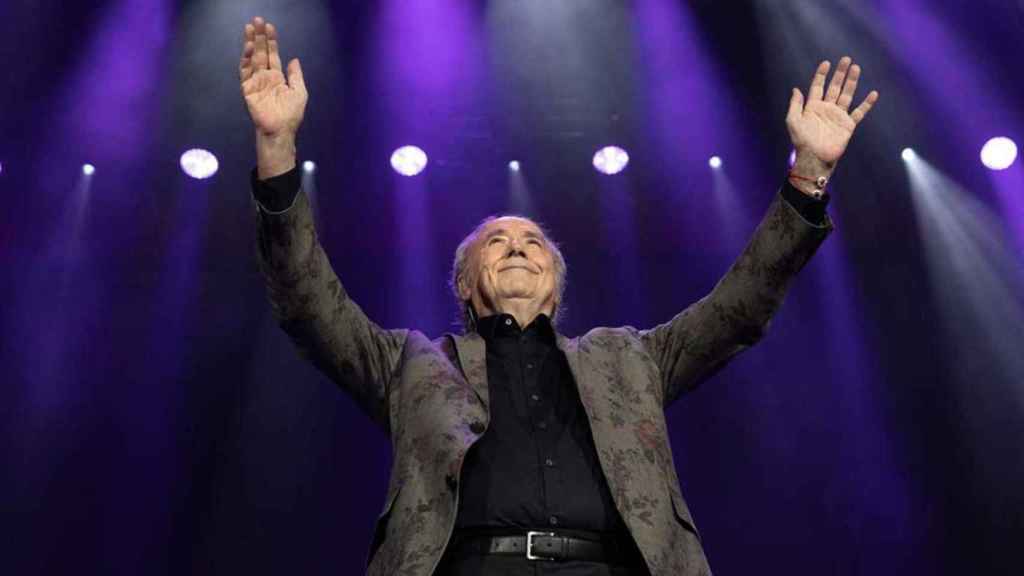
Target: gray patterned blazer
431, 397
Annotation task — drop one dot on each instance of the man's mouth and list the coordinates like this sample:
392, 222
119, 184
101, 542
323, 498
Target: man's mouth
515, 267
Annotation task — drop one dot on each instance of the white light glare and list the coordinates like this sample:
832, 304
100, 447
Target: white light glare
792, 158
308, 166
514, 166
199, 163
409, 160
611, 160
908, 154
88, 169
998, 153
715, 162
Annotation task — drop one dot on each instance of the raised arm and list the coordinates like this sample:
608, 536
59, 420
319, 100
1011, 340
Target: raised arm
307, 297
701, 339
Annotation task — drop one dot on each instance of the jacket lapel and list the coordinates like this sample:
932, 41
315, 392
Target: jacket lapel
568, 347
580, 375
473, 359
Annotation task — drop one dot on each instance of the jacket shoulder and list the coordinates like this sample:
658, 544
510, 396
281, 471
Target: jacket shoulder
609, 334
610, 338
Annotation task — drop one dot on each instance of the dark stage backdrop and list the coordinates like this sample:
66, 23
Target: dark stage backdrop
154, 420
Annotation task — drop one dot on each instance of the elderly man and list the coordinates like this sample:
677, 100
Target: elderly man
518, 450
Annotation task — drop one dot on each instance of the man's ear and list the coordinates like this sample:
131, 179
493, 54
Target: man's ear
464, 292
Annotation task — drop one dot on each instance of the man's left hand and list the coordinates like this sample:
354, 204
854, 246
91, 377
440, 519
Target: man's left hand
821, 128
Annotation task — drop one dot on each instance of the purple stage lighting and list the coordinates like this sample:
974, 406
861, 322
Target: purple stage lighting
409, 160
715, 162
308, 166
514, 166
908, 154
1, 167
611, 160
792, 158
199, 163
999, 153
88, 169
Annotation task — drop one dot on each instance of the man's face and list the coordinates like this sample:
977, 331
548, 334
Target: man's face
511, 260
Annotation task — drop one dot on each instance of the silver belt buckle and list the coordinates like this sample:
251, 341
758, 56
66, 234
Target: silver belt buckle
529, 545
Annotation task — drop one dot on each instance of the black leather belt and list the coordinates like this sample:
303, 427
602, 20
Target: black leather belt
543, 546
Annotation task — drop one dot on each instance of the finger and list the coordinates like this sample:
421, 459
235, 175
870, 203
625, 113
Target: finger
245, 64
796, 105
275, 57
260, 58
865, 107
849, 88
295, 78
838, 79
818, 82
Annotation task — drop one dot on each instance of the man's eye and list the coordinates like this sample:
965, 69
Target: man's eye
495, 240
534, 241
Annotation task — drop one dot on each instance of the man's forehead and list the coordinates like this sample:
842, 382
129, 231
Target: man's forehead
517, 223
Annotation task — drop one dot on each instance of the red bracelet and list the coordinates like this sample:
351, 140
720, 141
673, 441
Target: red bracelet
819, 183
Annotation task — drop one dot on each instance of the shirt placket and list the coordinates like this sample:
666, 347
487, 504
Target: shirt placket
540, 406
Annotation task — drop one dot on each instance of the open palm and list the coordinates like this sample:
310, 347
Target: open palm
276, 106
822, 127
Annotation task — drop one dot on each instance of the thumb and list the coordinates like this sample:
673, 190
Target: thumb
295, 79
796, 105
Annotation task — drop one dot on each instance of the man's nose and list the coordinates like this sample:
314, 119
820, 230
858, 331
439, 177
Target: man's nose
514, 247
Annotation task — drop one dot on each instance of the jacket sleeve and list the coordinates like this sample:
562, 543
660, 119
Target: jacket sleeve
313, 308
701, 339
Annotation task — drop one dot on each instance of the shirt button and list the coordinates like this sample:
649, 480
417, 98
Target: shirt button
549, 463
542, 425
529, 366
508, 321
476, 427
535, 397
553, 520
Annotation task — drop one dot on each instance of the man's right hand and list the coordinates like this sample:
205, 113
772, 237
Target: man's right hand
276, 107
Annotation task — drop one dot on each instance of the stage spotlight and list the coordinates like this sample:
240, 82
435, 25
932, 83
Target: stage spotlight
908, 154
792, 158
199, 163
998, 153
308, 166
715, 162
88, 169
409, 160
1, 167
514, 166
610, 160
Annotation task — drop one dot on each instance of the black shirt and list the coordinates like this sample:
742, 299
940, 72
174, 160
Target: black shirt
535, 468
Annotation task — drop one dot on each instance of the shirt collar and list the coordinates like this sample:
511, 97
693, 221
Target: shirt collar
505, 326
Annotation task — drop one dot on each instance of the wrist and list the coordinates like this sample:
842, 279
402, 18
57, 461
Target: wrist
810, 175
275, 154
